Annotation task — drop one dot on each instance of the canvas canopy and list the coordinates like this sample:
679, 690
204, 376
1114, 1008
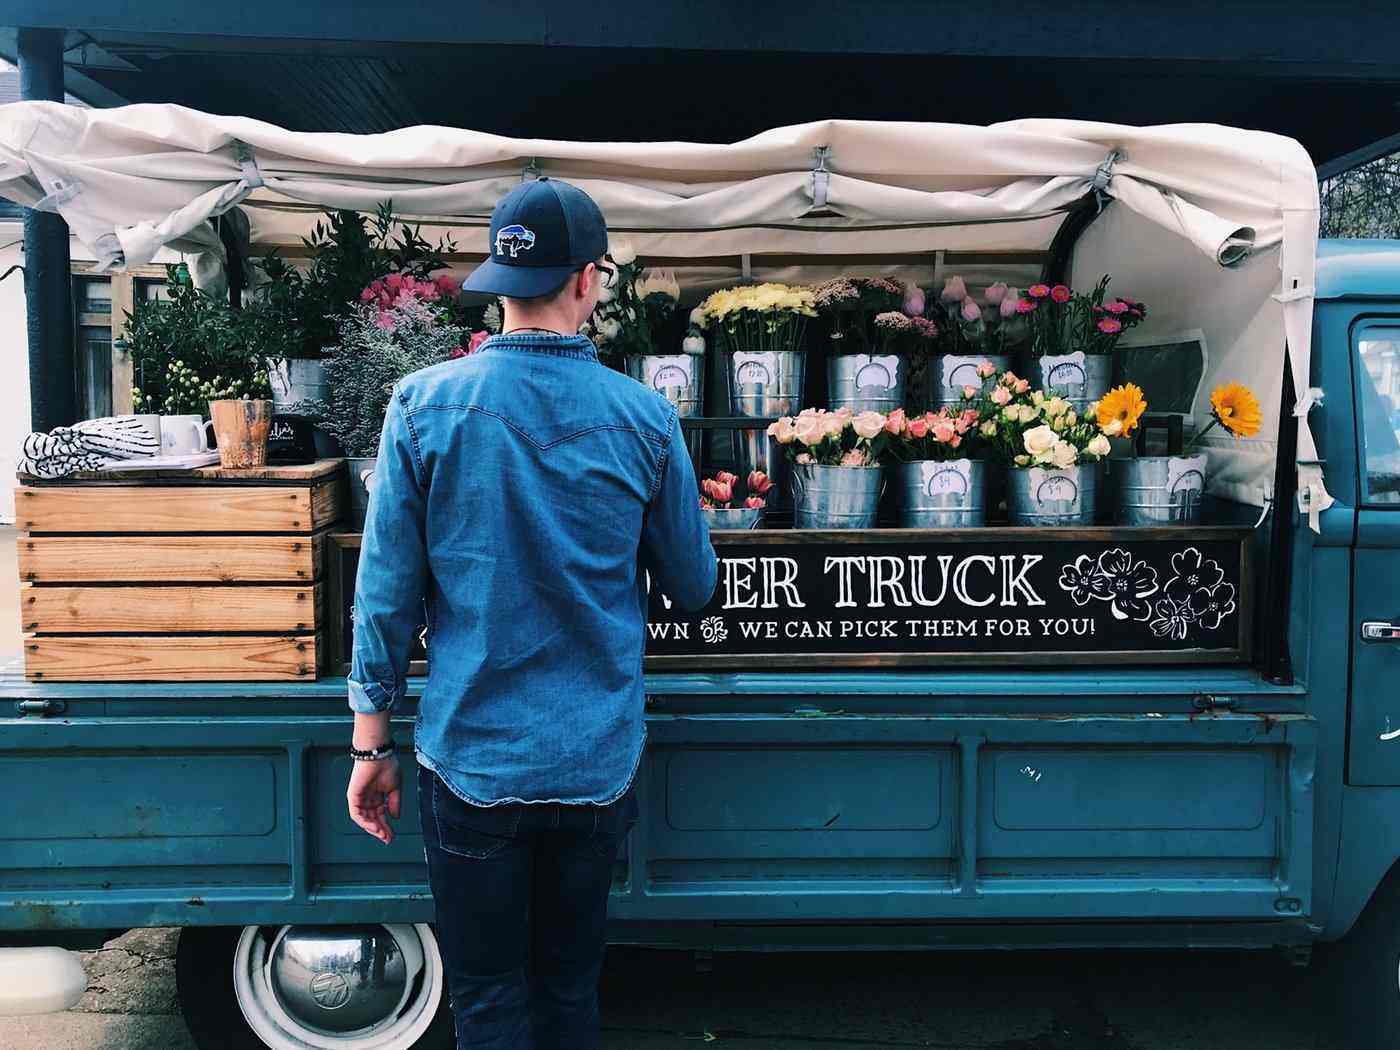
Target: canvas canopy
1214, 227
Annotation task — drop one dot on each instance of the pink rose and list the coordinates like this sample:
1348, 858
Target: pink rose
918, 427
996, 293
943, 431
895, 422
759, 482
969, 392
954, 290
967, 420
1025, 306
1061, 294
1022, 385
1001, 395
914, 301
1038, 291
971, 311
755, 502
986, 370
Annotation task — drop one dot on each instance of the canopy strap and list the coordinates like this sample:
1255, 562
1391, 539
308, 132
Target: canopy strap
531, 171
1103, 174
248, 166
821, 176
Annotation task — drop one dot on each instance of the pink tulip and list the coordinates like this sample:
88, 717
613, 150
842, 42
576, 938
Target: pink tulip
755, 502
954, 290
914, 301
726, 478
722, 492
996, 293
971, 311
759, 482
1009, 305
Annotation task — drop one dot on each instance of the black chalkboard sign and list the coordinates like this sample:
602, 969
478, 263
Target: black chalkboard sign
926, 598
345, 563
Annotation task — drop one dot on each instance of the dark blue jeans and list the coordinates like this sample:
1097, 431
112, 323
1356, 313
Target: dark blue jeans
522, 898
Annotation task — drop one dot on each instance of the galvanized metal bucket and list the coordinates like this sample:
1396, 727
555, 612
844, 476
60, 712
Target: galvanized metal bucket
295, 382
755, 450
835, 497
950, 374
361, 485
766, 382
680, 379
735, 518
866, 382
1052, 495
1160, 490
1079, 378
951, 495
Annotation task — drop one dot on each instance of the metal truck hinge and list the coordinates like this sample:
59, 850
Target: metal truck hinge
1211, 702
40, 707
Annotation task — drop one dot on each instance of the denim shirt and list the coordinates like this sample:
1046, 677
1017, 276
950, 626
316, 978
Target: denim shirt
524, 493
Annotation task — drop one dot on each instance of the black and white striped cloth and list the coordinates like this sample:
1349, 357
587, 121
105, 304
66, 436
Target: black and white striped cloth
88, 445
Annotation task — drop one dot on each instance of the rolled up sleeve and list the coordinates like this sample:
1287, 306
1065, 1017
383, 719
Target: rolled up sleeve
392, 578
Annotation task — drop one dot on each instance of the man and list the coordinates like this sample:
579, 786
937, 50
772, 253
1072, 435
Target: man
525, 492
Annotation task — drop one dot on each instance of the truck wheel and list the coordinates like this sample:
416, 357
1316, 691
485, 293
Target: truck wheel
1367, 975
313, 988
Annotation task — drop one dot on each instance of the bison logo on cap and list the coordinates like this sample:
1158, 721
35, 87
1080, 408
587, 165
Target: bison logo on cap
514, 239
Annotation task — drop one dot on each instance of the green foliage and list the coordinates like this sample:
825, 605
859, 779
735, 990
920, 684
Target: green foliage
191, 350
348, 250
368, 359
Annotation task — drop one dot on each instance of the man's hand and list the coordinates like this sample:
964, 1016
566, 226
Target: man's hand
374, 796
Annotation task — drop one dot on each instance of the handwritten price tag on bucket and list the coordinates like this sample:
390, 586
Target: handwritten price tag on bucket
1186, 474
959, 372
948, 479
754, 367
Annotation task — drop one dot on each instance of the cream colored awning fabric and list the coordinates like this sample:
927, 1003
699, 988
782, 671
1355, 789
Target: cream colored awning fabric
133, 179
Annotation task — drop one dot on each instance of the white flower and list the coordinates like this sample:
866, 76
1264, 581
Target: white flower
1056, 406
989, 428
605, 293
1113, 428
609, 330
782, 430
1098, 445
693, 344
1064, 455
868, 424
623, 253
1039, 440
698, 318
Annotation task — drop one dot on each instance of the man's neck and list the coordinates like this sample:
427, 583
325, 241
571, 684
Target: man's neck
515, 318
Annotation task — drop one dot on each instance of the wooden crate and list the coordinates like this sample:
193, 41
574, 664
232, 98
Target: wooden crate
203, 575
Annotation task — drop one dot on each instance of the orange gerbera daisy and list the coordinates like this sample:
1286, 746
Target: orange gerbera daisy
1123, 406
1237, 409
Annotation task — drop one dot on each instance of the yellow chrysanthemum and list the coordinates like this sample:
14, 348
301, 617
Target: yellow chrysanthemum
1124, 405
1237, 409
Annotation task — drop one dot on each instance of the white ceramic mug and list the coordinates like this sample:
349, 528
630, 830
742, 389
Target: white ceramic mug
184, 435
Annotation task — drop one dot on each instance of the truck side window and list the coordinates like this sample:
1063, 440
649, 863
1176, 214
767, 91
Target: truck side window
1378, 383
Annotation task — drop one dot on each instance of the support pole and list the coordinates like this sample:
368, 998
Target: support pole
48, 283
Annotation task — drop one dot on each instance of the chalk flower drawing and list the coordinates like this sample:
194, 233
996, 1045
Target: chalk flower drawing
1196, 595
712, 629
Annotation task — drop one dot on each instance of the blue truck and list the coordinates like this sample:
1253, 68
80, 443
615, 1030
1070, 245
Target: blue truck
1063, 806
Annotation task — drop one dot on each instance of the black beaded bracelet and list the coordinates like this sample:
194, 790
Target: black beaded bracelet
375, 754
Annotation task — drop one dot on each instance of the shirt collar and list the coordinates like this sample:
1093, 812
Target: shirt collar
576, 346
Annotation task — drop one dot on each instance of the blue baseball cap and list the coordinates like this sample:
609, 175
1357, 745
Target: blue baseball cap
541, 232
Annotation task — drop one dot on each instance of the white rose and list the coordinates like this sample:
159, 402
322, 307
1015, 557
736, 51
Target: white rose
1099, 446
1056, 406
1029, 413
1113, 428
989, 428
1039, 440
782, 431
1064, 455
623, 253
868, 424
1022, 461
693, 344
810, 430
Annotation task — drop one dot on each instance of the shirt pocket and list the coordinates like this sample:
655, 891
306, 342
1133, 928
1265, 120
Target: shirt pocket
477, 832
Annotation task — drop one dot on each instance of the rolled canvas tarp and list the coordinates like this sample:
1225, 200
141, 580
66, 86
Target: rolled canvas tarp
1239, 206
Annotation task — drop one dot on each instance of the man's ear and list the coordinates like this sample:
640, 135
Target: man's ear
587, 277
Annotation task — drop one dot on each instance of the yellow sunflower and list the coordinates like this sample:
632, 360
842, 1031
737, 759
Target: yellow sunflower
1236, 409
1120, 409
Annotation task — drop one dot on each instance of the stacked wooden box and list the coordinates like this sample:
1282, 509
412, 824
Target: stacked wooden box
213, 575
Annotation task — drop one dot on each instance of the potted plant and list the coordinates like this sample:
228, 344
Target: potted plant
1050, 450
939, 476
378, 344
971, 335
190, 349
297, 313
878, 334
836, 475
1167, 490
1073, 336
720, 494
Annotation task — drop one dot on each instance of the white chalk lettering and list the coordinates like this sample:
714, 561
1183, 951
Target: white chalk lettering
887, 574
843, 565
772, 582
1013, 580
916, 578
734, 583
960, 579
